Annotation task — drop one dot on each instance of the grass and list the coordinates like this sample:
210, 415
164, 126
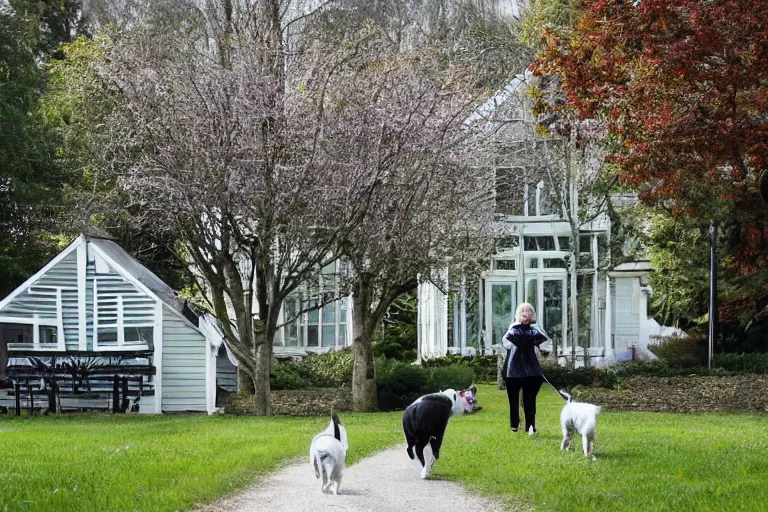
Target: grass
157, 463
646, 461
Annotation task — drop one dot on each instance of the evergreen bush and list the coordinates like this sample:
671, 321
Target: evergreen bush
453, 376
399, 383
742, 363
484, 367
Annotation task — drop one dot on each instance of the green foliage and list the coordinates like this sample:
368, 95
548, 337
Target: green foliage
563, 377
332, 369
31, 180
288, 376
484, 367
742, 363
454, 376
399, 383
682, 352
556, 15
679, 253
397, 338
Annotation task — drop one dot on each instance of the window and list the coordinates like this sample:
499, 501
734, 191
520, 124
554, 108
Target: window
47, 335
504, 264
313, 333
564, 242
329, 325
143, 335
107, 336
15, 333
554, 263
531, 294
539, 243
544, 201
585, 244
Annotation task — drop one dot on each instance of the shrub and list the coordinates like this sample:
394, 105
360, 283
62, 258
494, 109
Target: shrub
399, 383
328, 370
592, 376
454, 376
288, 376
484, 367
682, 352
742, 363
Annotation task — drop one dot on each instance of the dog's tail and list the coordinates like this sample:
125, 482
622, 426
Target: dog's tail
336, 423
565, 395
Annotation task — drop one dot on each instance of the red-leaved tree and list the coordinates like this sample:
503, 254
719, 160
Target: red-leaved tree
682, 88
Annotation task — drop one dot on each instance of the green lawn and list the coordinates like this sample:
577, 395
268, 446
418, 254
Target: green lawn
646, 461
157, 463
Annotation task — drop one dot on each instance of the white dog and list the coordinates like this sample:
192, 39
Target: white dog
327, 453
581, 417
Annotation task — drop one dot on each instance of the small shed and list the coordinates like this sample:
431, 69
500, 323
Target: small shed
95, 328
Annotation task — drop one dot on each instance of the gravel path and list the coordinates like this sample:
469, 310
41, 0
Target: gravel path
386, 482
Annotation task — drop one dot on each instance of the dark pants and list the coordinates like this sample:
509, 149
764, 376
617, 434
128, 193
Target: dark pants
530, 387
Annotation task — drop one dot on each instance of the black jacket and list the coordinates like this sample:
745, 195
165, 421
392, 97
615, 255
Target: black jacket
521, 341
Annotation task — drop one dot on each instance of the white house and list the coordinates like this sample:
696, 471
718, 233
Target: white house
94, 315
534, 187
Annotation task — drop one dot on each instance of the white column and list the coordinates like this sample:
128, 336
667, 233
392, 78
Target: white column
82, 261
608, 318
157, 359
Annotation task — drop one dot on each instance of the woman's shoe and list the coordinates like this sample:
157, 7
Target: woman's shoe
514, 429
531, 430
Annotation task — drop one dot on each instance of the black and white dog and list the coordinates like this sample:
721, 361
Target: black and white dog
581, 417
327, 453
425, 421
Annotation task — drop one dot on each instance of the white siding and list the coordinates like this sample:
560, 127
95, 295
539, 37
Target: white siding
627, 312
42, 299
183, 365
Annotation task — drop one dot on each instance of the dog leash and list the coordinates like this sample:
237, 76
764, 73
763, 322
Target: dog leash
553, 387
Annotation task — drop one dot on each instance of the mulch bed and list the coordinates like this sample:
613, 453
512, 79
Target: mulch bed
297, 402
691, 394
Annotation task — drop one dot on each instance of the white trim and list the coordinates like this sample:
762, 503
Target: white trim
35, 330
158, 356
120, 326
124, 348
608, 314
95, 316
138, 284
28, 321
60, 341
29, 282
82, 296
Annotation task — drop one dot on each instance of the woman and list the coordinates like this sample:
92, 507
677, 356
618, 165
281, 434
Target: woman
521, 367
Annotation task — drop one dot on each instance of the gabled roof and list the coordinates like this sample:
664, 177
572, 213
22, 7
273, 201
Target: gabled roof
124, 263
131, 266
490, 106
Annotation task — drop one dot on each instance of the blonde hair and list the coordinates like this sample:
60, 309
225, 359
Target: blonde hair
523, 306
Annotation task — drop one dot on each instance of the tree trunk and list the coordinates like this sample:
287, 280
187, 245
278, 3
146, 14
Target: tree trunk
244, 382
261, 382
363, 371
